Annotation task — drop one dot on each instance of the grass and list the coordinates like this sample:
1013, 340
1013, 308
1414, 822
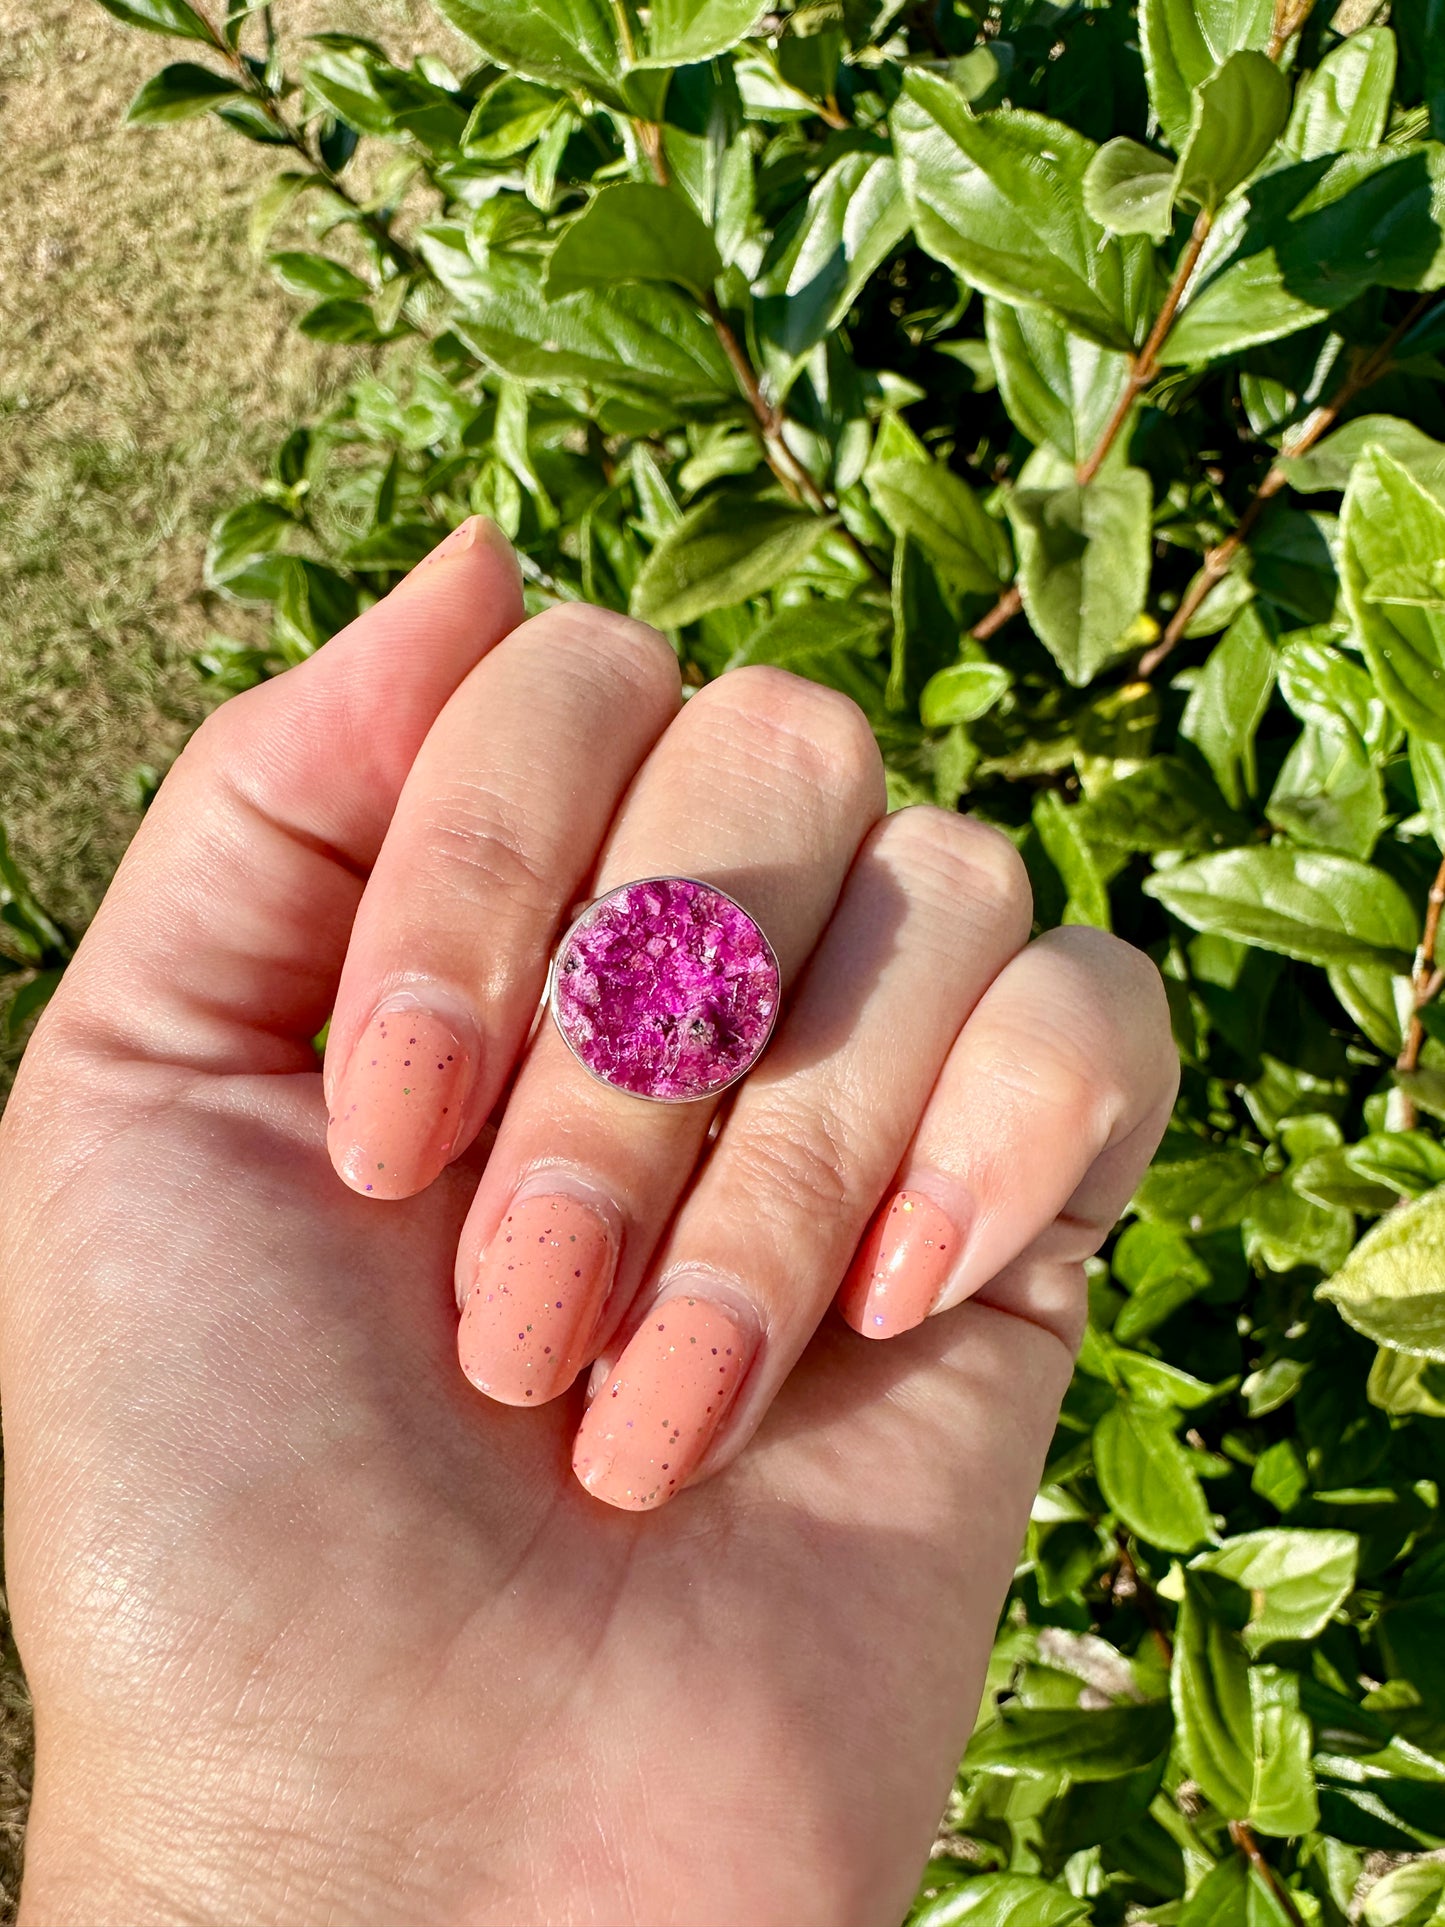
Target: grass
148, 369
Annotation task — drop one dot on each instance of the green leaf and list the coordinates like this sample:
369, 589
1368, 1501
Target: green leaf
635, 231
1059, 389
998, 197
1228, 702
1148, 1479
1238, 114
1317, 908
29, 932
1328, 793
1166, 805
1053, 1742
1390, 524
1129, 189
1240, 1732
1002, 1900
1232, 1894
720, 554
1392, 1285
680, 31
316, 275
341, 320
822, 258
1402, 1385
962, 694
1410, 1163
240, 537
1083, 559
511, 116
1061, 831
1296, 1580
1198, 1187
345, 78
177, 92
642, 343
1184, 41
941, 513
161, 16
1330, 463
567, 44
1309, 239
1345, 102
1408, 1896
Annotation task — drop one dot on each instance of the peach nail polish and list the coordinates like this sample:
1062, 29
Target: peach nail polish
652, 1420
901, 1266
398, 1103
540, 1286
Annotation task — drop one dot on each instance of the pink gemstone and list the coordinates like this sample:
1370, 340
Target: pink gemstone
666, 988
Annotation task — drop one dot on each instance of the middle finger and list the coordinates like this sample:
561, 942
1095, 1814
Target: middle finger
764, 786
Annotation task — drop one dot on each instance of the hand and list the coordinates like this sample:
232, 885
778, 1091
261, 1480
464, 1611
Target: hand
317, 1631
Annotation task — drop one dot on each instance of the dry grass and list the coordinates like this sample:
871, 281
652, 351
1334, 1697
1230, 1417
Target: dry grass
147, 369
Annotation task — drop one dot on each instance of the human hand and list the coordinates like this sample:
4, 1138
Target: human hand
316, 1630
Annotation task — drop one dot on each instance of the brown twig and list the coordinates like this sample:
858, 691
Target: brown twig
1242, 1834
1366, 369
1145, 364
1427, 980
1289, 17
1004, 610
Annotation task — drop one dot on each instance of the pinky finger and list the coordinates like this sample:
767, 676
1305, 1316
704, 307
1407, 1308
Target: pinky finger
1041, 1124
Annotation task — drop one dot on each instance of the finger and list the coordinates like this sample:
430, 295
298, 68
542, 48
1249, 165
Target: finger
1046, 1114
765, 785
934, 908
221, 939
496, 830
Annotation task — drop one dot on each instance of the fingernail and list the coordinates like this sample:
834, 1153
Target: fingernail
654, 1417
539, 1291
399, 1103
902, 1266
465, 535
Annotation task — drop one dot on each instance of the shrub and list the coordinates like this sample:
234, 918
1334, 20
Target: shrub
1060, 382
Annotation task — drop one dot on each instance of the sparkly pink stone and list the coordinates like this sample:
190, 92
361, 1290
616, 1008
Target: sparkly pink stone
666, 988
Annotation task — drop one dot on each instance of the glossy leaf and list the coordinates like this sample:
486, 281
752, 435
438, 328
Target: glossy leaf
1129, 189
1318, 908
1391, 527
962, 694
1228, 702
1237, 115
1345, 102
1184, 41
178, 92
1060, 390
636, 231
161, 16
680, 31
943, 516
1147, 1477
999, 198
1083, 560
1296, 1580
1002, 1900
1392, 1286
720, 554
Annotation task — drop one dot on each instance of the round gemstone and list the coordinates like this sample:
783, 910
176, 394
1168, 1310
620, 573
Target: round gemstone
666, 988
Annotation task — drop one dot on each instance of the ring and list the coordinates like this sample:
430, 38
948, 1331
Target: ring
666, 988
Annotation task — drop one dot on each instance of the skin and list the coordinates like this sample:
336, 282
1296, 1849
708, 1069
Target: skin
317, 1630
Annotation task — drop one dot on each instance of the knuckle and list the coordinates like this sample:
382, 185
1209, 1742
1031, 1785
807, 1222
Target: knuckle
798, 1159
471, 840
815, 732
965, 862
639, 656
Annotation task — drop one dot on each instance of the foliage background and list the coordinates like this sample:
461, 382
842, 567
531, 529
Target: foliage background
1062, 382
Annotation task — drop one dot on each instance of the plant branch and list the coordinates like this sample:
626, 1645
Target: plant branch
1427, 979
1242, 1834
258, 91
1145, 364
1289, 17
1004, 610
1366, 369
